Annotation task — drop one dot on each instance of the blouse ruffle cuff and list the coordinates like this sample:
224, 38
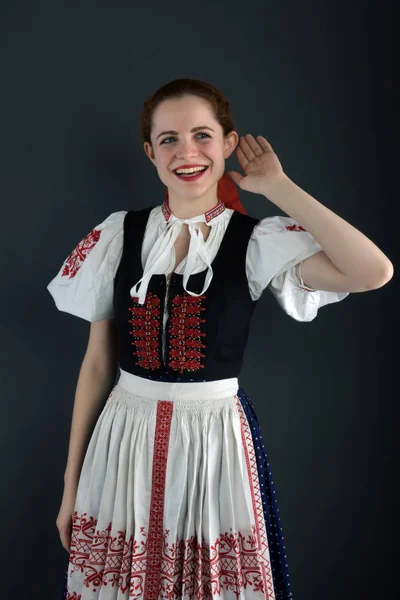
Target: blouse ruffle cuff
277, 245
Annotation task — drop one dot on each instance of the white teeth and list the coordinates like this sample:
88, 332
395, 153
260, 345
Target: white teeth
193, 170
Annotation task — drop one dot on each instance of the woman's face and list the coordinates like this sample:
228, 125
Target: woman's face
174, 144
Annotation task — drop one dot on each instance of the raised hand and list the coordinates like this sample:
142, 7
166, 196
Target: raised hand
259, 163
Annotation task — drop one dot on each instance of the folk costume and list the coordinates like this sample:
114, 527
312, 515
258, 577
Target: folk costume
176, 497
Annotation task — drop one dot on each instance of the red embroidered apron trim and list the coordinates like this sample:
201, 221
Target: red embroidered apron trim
155, 568
78, 256
185, 333
263, 557
145, 331
73, 596
156, 524
181, 568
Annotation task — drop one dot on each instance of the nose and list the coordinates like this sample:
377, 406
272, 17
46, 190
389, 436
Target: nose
187, 148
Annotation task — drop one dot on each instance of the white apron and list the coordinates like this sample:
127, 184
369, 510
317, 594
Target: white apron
169, 501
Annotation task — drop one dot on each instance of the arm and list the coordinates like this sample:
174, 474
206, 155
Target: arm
350, 262
326, 276
95, 381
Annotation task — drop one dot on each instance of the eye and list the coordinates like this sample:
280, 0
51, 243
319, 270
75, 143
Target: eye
172, 138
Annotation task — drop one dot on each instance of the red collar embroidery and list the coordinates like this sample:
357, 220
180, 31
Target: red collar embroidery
209, 215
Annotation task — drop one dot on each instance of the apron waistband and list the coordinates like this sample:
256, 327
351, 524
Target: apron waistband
166, 390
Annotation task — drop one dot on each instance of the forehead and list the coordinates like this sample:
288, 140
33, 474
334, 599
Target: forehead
182, 113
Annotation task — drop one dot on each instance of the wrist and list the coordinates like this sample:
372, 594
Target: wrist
276, 186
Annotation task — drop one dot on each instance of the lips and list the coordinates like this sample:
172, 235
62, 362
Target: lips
188, 167
188, 178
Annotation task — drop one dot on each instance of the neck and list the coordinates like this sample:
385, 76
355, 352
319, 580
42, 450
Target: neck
186, 208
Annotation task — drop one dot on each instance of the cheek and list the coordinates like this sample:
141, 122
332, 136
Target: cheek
164, 159
216, 152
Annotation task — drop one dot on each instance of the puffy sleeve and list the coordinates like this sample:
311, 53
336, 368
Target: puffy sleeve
84, 285
276, 246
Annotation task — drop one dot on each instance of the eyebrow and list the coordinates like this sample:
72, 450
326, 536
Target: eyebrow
192, 130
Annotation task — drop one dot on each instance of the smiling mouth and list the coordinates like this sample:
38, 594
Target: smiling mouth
195, 175
205, 167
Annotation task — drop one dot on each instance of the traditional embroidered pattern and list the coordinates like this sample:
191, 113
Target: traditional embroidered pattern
209, 215
156, 567
263, 556
166, 211
155, 539
190, 568
73, 596
295, 227
145, 331
185, 333
214, 212
77, 257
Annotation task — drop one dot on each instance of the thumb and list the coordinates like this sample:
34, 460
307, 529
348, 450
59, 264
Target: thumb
237, 177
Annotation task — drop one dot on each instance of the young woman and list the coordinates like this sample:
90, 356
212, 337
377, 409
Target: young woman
168, 490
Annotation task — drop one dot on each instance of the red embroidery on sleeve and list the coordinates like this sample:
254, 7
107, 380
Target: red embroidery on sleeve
295, 227
77, 257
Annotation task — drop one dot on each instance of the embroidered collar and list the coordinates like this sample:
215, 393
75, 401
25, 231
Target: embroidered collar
208, 216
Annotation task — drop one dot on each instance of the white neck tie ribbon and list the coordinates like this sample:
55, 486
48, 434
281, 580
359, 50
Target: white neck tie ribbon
163, 247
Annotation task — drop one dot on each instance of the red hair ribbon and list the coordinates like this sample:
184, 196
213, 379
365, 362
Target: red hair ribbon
227, 192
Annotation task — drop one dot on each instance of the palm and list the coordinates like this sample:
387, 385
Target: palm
258, 161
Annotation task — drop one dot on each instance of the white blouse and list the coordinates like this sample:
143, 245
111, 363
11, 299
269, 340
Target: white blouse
84, 285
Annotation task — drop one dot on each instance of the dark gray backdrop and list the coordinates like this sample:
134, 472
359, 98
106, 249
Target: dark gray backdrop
316, 79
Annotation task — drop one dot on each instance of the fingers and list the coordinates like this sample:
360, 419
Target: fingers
264, 143
251, 147
243, 160
65, 531
65, 538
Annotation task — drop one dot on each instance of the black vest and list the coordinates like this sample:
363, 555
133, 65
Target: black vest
206, 336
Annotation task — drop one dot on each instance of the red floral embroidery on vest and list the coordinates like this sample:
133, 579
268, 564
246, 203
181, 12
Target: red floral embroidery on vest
145, 331
185, 333
295, 227
190, 568
78, 256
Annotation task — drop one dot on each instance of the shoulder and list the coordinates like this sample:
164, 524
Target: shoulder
143, 216
277, 224
243, 218
83, 284
114, 220
103, 233
104, 239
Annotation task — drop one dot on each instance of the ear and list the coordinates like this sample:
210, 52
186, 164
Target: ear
231, 141
149, 152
